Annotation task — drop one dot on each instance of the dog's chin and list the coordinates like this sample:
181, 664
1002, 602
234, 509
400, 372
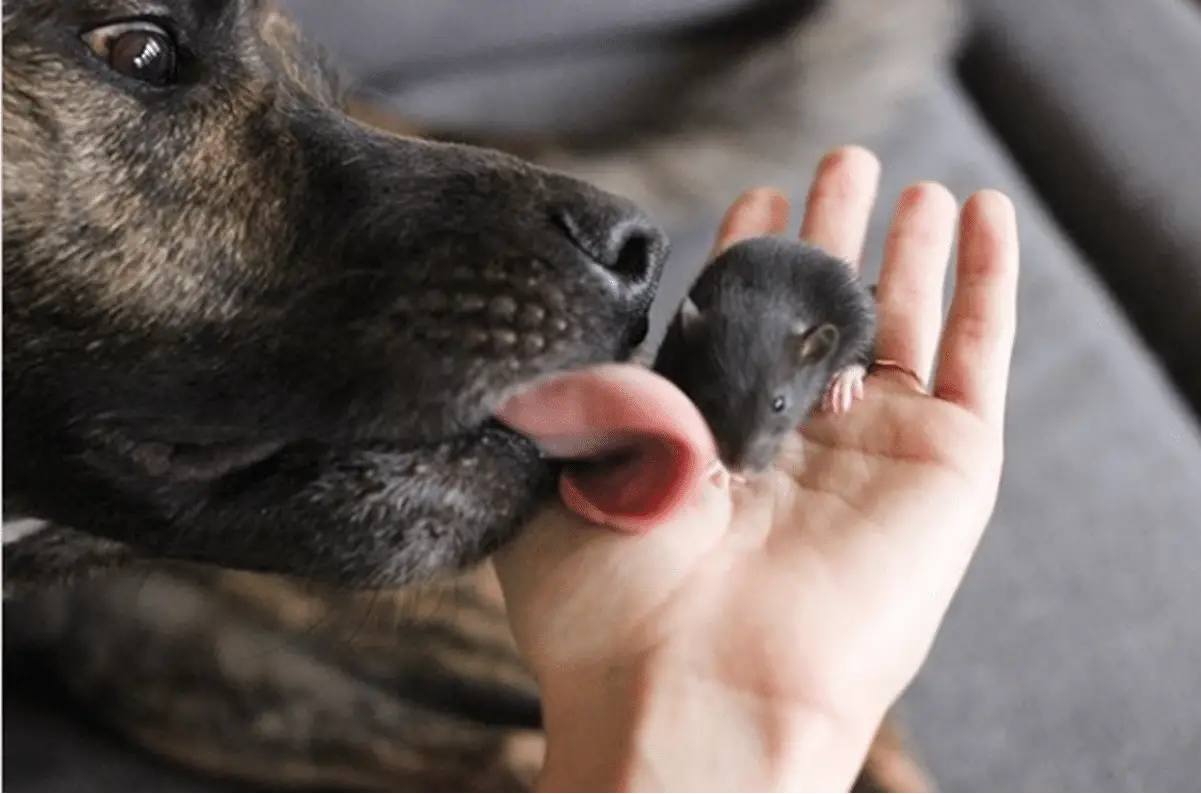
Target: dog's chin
368, 510
186, 464
173, 462
348, 512
200, 463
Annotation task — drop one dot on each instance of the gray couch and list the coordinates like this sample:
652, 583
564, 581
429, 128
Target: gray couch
1072, 658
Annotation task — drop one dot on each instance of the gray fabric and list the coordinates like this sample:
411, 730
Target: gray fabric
1101, 103
381, 37
555, 93
541, 67
1072, 659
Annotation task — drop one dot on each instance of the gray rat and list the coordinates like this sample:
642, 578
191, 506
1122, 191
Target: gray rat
770, 329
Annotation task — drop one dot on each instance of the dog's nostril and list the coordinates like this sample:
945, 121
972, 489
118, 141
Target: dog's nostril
634, 255
632, 248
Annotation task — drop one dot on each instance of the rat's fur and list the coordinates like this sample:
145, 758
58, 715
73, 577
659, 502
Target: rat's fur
222, 267
770, 319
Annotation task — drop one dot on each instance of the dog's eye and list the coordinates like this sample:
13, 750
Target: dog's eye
139, 50
779, 403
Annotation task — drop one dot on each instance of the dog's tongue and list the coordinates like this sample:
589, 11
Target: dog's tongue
641, 444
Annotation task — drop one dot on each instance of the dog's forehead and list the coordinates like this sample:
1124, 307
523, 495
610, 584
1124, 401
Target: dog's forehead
59, 107
197, 9
249, 42
190, 18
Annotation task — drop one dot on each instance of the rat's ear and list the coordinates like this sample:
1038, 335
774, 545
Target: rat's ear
690, 316
813, 344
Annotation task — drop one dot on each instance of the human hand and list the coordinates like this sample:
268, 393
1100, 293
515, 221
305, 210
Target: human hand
820, 586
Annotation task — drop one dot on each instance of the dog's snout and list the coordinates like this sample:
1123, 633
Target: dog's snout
620, 238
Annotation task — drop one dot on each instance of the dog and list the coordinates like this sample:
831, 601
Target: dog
252, 349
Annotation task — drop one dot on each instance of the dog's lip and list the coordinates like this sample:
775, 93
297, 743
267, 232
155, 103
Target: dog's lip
201, 462
635, 444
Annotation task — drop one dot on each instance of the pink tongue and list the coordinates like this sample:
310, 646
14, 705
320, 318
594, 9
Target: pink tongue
665, 446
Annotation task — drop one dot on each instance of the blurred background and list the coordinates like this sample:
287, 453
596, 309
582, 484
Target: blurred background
1072, 658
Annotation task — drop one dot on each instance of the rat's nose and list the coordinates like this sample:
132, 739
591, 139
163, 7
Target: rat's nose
750, 459
618, 236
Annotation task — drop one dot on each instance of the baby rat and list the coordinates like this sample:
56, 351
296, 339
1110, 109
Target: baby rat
772, 328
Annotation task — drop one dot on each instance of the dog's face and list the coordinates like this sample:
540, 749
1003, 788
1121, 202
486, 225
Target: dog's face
240, 327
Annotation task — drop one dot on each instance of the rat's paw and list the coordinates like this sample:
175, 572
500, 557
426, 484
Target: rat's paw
844, 389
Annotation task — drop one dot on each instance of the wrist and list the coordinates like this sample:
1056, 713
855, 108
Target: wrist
649, 727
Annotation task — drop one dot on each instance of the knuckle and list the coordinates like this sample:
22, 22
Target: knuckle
972, 329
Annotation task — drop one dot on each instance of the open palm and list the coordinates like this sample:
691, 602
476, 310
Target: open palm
825, 580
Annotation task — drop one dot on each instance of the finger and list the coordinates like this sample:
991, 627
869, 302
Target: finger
973, 370
839, 205
757, 212
909, 295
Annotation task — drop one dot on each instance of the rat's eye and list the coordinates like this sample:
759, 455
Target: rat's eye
779, 403
139, 50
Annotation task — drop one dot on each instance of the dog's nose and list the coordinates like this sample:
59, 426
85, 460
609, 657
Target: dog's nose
619, 237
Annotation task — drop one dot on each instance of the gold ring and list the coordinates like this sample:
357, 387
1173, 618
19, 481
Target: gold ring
896, 366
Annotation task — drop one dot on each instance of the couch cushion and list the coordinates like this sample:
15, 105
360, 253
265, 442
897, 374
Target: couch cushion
1099, 102
1070, 660
383, 36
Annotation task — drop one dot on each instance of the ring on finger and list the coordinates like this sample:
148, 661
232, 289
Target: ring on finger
896, 366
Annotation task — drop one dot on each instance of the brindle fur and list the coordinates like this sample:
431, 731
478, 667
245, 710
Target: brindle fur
247, 258
243, 329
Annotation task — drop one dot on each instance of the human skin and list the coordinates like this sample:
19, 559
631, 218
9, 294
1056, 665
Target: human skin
755, 637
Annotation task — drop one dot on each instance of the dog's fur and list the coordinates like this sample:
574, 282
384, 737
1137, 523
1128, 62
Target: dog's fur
244, 329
